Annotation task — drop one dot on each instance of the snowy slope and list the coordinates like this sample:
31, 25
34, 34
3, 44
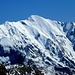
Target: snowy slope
38, 41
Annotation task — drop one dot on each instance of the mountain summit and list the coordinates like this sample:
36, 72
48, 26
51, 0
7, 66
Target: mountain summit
46, 44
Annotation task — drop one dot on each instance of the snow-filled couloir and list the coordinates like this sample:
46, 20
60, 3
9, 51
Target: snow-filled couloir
38, 42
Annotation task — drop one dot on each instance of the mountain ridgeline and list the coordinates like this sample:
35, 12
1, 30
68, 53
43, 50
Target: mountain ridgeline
46, 44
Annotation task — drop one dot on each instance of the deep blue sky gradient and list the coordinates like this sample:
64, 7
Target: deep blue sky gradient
60, 10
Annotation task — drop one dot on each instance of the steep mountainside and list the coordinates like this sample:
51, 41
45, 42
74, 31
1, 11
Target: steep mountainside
48, 45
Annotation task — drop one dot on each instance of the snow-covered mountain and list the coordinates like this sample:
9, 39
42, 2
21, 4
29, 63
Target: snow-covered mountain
40, 42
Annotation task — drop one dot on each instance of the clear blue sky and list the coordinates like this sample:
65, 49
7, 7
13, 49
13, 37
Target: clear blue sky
14, 10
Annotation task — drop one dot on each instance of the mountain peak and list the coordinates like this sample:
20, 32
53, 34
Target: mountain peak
38, 41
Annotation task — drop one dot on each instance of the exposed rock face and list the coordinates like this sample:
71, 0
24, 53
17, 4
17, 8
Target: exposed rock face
3, 70
19, 70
